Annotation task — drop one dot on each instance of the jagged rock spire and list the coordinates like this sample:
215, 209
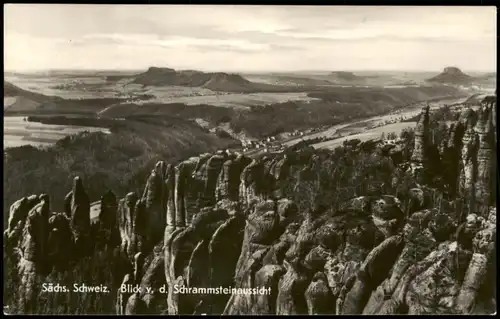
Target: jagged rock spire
421, 136
485, 157
272, 244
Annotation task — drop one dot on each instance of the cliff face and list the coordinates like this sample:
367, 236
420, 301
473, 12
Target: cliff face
224, 220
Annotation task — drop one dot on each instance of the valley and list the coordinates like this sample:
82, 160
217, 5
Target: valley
246, 116
302, 160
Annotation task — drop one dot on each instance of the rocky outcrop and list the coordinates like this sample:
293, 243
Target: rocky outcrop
420, 154
60, 245
132, 223
33, 262
490, 102
18, 214
483, 244
227, 222
159, 76
191, 254
77, 208
477, 158
421, 137
251, 184
470, 146
451, 152
104, 228
228, 184
452, 75
185, 192
156, 198
485, 179
35, 232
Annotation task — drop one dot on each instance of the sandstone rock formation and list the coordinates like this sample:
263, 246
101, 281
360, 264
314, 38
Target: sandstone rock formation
18, 214
132, 223
484, 179
477, 158
420, 154
421, 136
77, 208
228, 221
60, 246
452, 75
158, 199
33, 253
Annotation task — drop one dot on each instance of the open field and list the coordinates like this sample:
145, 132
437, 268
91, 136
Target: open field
98, 87
18, 132
367, 135
364, 125
233, 100
361, 129
83, 87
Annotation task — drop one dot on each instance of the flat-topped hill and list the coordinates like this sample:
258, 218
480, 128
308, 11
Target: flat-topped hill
452, 75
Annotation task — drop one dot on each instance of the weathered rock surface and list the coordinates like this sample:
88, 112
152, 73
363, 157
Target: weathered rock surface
103, 220
60, 245
33, 262
18, 214
131, 222
77, 208
421, 137
222, 220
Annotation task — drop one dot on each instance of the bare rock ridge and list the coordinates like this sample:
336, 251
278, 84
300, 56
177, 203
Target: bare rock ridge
224, 220
452, 75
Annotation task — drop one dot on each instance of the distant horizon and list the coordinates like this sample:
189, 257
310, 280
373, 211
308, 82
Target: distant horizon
248, 39
240, 71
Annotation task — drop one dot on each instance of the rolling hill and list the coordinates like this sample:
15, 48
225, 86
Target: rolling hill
328, 108
487, 79
17, 99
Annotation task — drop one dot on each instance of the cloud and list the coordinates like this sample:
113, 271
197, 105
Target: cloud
249, 37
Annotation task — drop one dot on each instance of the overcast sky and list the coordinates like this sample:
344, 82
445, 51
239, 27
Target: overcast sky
248, 38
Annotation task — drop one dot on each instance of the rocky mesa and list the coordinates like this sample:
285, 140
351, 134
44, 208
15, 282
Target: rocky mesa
215, 81
346, 76
365, 229
452, 75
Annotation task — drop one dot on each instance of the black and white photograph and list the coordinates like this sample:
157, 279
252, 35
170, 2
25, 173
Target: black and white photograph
249, 160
